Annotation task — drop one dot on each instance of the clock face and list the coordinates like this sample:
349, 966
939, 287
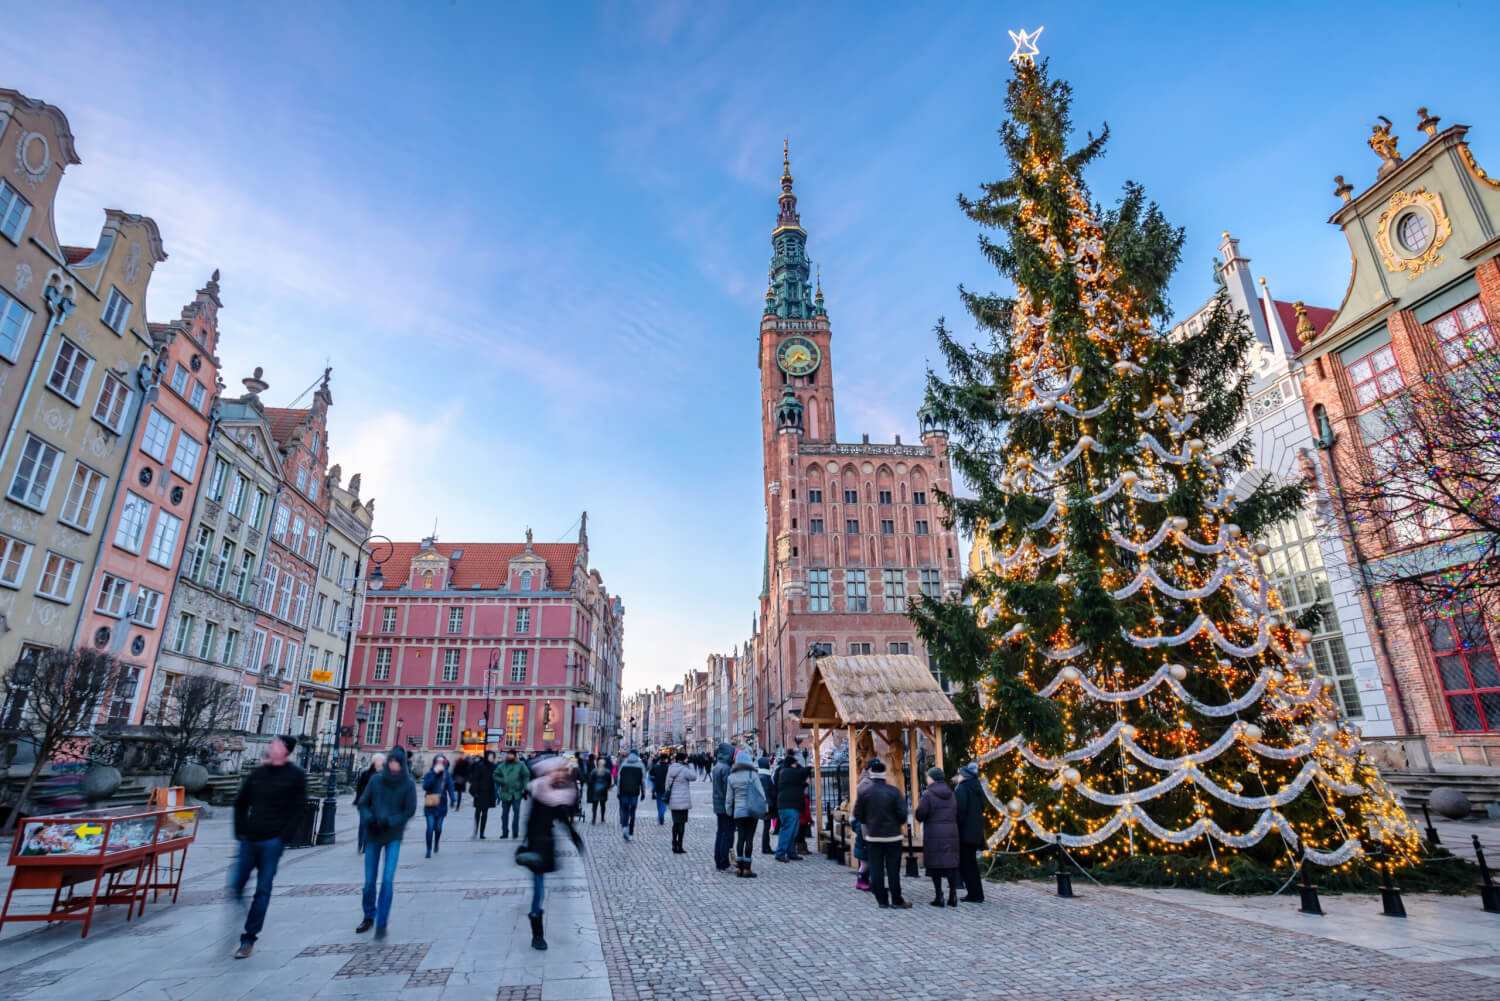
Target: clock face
797, 356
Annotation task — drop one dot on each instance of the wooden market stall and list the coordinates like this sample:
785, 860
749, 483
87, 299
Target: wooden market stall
875, 695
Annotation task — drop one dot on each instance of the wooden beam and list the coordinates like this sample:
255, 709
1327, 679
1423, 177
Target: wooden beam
916, 829
817, 810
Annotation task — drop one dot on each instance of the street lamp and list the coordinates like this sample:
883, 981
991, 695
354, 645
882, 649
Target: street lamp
328, 819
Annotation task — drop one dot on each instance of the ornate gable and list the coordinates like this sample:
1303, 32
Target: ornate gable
429, 571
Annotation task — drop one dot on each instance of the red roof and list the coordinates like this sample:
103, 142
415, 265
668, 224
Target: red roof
75, 254
1287, 313
484, 563
283, 422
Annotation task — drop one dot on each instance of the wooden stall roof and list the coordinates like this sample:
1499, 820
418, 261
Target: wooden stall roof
890, 689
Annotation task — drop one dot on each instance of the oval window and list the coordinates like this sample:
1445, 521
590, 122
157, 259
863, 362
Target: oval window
1414, 232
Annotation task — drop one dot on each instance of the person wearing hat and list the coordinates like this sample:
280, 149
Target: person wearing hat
388, 802
482, 791
551, 795
631, 782
791, 794
937, 811
969, 798
679, 792
881, 812
511, 777
745, 801
266, 813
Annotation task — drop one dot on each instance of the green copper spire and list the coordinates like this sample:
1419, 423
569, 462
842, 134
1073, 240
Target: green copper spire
790, 269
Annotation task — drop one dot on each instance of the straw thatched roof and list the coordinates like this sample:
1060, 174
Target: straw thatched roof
882, 688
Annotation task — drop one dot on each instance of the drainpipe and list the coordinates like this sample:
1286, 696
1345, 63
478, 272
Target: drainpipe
1326, 439
60, 309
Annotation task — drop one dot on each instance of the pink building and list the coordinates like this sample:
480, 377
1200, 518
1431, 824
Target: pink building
145, 536
463, 633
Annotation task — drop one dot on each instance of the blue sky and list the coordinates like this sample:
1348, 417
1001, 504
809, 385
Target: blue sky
532, 242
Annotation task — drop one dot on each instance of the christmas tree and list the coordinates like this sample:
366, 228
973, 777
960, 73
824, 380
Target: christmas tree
1144, 693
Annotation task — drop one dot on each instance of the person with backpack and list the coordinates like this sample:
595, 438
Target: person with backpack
631, 782
745, 801
659, 785
679, 792
552, 795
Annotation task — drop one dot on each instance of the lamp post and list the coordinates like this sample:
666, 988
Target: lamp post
491, 682
329, 816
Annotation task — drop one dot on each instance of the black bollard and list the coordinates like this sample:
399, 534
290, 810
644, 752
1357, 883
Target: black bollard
1489, 893
1390, 896
832, 852
1432, 834
1064, 878
1309, 892
912, 872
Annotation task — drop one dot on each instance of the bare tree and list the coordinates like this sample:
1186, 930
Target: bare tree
51, 703
1432, 479
188, 714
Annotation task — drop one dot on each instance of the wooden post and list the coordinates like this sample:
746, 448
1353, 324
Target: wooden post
912, 795
817, 810
853, 794
937, 740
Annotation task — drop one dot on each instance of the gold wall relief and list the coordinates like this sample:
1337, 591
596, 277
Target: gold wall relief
1411, 231
1467, 155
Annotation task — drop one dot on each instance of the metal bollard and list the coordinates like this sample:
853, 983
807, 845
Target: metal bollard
1308, 890
1432, 834
1489, 893
832, 851
1390, 896
1064, 877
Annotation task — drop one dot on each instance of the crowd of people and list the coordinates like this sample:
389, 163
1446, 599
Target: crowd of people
547, 790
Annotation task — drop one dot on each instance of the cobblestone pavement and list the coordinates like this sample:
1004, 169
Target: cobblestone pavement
673, 928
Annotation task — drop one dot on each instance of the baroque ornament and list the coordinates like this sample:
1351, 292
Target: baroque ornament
1413, 260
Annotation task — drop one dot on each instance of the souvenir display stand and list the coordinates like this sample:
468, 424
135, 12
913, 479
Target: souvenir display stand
92, 857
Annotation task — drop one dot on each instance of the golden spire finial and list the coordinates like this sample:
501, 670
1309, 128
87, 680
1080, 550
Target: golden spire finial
770, 285
820, 283
1305, 330
786, 167
1428, 122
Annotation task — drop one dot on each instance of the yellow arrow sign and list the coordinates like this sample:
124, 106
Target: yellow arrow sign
89, 829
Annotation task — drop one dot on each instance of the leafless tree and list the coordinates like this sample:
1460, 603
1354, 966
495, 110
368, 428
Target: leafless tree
51, 703
187, 715
1431, 483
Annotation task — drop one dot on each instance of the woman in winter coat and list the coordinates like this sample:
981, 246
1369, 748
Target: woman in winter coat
937, 812
679, 794
460, 775
970, 832
600, 781
552, 797
438, 792
745, 801
482, 790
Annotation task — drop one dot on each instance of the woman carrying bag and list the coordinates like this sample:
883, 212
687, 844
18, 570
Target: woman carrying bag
438, 792
552, 797
745, 801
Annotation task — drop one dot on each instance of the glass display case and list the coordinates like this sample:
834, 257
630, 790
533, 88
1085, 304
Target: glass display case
87, 834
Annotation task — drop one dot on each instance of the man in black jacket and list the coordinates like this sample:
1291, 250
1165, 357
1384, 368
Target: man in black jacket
659, 786
791, 790
265, 818
970, 832
881, 812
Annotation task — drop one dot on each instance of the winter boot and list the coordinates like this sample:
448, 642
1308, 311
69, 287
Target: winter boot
952, 894
746, 871
937, 899
537, 941
437, 840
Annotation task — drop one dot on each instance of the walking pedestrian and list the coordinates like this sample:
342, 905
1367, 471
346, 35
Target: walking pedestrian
438, 792
377, 762
460, 780
631, 782
679, 793
482, 791
745, 801
599, 784
881, 811
768, 786
723, 819
970, 802
659, 785
388, 802
791, 791
937, 811
553, 795
511, 777
266, 813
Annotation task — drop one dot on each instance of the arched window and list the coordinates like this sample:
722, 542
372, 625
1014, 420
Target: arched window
1322, 426
427, 580
526, 580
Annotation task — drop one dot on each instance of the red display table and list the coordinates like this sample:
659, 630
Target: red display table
120, 855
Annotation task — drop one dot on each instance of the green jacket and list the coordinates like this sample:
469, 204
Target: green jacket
510, 780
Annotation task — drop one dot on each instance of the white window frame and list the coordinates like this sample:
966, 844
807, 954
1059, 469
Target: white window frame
185, 458
182, 639
116, 310
15, 209
200, 394
15, 323
273, 655
85, 488
208, 639
257, 650
69, 375
226, 562
156, 439
523, 622
247, 706
451, 665
112, 403
14, 555
231, 647
443, 731
163, 551
217, 478
180, 379
320, 606
44, 459
381, 667
114, 592
237, 495
375, 724
135, 516
388, 619
518, 667
201, 547
56, 571
291, 659
893, 588
456, 627
148, 605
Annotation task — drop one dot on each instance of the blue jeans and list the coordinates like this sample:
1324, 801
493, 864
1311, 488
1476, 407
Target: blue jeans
723, 839
661, 811
263, 857
786, 833
510, 818
434, 827
627, 813
538, 891
379, 911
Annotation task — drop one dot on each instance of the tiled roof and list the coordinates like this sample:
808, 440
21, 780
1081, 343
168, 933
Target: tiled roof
75, 254
484, 563
1287, 313
283, 422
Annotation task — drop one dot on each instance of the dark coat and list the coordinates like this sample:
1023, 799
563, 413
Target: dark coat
270, 803
539, 823
631, 778
970, 813
880, 810
659, 779
719, 777
482, 785
937, 810
791, 787
363, 780
461, 775
599, 783
442, 784
388, 802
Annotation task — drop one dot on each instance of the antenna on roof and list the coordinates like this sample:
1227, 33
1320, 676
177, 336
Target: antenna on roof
434, 528
316, 383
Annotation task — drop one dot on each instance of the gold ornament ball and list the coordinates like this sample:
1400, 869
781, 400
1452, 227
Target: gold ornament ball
1251, 732
1179, 672
1072, 776
1014, 807
1129, 477
1179, 523
1070, 674
1195, 445
1166, 400
1232, 530
1087, 440
1049, 405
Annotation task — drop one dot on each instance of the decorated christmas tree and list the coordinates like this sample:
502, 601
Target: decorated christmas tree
1145, 695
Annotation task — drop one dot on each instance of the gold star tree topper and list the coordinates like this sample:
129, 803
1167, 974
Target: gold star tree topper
1025, 45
